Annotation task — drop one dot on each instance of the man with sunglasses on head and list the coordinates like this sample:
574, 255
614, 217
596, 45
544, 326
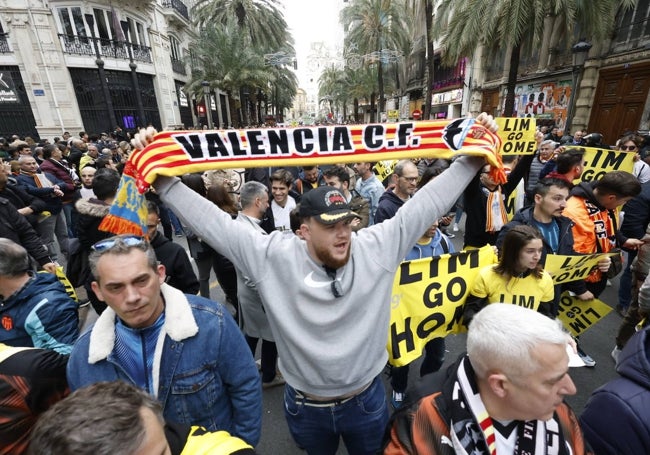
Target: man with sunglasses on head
327, 298
183, 349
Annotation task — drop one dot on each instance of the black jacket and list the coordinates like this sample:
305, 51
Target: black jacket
21, 199
180, 273
389, 204
476, 202
616, 419
637, 214
14, 226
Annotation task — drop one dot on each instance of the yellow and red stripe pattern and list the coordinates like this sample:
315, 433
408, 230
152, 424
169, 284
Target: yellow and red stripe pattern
173, 153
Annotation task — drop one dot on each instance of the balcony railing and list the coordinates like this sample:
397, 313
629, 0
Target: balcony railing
178, 66
178, 6
4, 44
81, 45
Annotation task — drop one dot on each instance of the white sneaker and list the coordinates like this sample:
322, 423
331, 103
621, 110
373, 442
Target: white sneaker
455, 228
615, 354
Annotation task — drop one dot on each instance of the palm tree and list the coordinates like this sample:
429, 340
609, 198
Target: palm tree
362, 86
515, 24
228, 63
283, 87
260, 20
333, 87
375, 26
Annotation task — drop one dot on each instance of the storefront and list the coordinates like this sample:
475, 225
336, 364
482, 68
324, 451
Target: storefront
16, 115
447, 104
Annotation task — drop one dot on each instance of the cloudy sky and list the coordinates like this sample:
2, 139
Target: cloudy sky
313, 21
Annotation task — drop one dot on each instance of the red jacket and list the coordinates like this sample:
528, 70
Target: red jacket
62, 173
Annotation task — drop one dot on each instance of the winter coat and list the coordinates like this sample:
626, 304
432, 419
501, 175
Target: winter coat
616, 419
40, 315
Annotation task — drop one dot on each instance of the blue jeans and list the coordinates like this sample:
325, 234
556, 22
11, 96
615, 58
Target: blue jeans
360, 421
625, 283
434, 357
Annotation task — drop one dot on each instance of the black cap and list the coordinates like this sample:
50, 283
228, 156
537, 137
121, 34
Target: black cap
326, 204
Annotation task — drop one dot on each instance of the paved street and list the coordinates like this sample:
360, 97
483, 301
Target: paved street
598, 342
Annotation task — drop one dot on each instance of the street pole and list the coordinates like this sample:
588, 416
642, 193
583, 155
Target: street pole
580, 51
134, 77
208, 103
90, 20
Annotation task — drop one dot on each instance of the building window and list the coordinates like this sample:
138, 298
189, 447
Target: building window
634, 23
72, 22
141, 35
175, 48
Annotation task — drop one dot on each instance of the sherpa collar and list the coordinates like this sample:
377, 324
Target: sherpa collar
179, 324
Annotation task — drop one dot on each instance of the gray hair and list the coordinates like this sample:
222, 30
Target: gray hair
547, 142
503, 336
249, 191
23, 158
101, 419
120, 247
401, 165
14, 260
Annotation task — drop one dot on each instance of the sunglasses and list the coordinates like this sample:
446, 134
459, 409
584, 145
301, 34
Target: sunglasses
627, 148
337, 290
128, 240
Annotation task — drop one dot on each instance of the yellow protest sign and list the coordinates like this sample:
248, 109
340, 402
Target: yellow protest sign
564, 269
598, 162
578, 316
428, 298
514, 202
517, 135
384, 168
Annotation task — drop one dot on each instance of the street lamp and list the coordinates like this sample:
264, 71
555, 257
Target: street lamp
134, 74
90, 20
208, 103
580, 51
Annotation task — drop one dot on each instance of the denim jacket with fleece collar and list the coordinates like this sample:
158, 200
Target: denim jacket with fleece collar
204, 369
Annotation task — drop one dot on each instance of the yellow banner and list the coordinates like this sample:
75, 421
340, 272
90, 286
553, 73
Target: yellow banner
564, 269
578, 316
428, 298
514, 202
517, 135
384, 168
598, 162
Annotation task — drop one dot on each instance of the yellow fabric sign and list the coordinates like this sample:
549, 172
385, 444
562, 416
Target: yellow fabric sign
564, 269
428, 298
598, 162
517, 135
578, 316
384, 168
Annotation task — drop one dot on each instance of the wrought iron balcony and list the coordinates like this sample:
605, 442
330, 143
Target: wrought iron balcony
81, 45
178, 6
178, 66
4, 44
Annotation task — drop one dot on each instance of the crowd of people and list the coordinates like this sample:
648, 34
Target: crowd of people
306, 258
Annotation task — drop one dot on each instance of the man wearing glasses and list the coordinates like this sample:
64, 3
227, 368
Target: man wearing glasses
327, 299
405, 179
183, 349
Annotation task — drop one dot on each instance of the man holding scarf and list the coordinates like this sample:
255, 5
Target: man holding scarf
327, 298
